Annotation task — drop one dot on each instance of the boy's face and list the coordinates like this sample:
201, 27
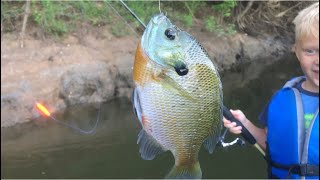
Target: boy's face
307, 51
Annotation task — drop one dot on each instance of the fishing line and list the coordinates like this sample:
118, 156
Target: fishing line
118, 14
46, 112
132, 13
92, 130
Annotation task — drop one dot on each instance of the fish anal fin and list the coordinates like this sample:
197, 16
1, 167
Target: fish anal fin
149, 147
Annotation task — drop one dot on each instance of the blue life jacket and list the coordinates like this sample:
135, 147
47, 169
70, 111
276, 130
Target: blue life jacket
292, 151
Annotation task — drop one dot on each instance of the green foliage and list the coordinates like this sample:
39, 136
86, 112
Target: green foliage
48, 15
187, 19
216, 23
212, 25
10, 12
143, 9
226, 7
194, 6
60, 17
94, 12
231, 29
119, 29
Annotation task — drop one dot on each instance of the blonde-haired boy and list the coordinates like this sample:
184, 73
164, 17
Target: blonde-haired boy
291, 119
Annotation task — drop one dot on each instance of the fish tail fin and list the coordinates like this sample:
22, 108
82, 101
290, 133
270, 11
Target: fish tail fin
192, 171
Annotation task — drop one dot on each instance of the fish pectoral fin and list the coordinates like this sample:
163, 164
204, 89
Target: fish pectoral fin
167, 82
149, 147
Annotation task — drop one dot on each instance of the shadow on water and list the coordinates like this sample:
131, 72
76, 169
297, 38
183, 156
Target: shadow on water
45, 149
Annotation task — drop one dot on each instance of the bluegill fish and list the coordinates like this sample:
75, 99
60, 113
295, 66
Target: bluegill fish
177, 97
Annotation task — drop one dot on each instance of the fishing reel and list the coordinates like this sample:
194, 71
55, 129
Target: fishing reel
238, 141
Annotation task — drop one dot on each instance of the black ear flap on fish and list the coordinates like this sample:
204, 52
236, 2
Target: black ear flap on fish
149, 147
181, 68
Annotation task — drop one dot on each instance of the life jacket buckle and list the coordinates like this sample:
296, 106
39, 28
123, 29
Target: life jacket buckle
303, 169
306, 170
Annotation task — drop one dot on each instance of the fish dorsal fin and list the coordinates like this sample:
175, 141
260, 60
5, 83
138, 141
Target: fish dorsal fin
149, 147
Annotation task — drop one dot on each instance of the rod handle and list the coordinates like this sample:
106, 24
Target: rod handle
245, 132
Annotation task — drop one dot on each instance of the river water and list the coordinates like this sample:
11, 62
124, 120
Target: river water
44, 149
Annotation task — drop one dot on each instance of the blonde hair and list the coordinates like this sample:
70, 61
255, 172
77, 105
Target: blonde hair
307, 22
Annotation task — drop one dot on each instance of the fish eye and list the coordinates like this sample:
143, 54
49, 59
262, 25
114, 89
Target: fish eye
170, 33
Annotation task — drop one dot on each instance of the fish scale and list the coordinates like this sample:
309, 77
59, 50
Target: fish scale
178, 111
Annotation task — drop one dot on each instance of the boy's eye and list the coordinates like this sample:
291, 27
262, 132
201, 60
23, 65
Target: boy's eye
310, 51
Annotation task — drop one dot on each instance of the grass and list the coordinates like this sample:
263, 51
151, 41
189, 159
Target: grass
51, 16
10, 13
61, 17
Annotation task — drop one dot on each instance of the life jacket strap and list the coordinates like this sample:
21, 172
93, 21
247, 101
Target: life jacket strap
300, 169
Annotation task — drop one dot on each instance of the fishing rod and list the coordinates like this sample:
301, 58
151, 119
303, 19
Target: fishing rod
133, 14
226, 113
244, 131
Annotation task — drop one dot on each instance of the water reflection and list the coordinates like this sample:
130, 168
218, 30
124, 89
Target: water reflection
45, 149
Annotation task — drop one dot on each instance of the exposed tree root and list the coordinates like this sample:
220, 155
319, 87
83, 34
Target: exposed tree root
24, 24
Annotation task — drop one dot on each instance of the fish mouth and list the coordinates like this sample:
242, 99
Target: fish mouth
155, 22
158, 19
181, 69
